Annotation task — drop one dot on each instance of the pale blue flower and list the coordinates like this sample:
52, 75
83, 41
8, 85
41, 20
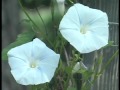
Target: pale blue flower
33, 63
85, 28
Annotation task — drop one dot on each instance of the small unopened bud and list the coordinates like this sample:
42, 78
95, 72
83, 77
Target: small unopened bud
61, 6
78, 66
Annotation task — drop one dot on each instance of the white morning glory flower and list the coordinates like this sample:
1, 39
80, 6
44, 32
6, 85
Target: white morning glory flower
33, 63
85, 28
78, 66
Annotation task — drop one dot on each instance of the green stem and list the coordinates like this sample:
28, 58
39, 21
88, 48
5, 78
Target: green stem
109, 61
45, 27
71, 1
34, 22
106, 65
78, 79
28, 15
41, 20
34, 87
52, 11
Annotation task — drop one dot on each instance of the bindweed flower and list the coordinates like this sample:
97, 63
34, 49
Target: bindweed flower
33, 63
85, 28
78, 66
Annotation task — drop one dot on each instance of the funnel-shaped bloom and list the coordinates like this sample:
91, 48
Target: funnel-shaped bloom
85, 28
33, 63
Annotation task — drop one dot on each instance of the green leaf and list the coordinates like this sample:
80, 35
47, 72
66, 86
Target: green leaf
25, 37
98, 63
71, 88
68, 70
87, 74
81, 71
110, 43
100, 60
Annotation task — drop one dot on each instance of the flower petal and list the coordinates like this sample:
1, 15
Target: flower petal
32, 76
28, 50
18, 67
70, 20
100, 22
100, 36
48, 65
74, 37
22, 51
50, 60
83, 43
40, 50
17, 63
18, 72
89, 15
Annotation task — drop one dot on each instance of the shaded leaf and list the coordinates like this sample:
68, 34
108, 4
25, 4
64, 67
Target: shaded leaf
25, 37
87, 74
71, 88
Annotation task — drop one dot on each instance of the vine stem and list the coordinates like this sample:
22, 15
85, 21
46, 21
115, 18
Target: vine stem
34, 87
28, 15
41, 20
78, 79
34, 23
67, 57
106, 65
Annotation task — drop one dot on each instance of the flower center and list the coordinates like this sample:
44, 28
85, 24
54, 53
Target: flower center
83, 29
33, 64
